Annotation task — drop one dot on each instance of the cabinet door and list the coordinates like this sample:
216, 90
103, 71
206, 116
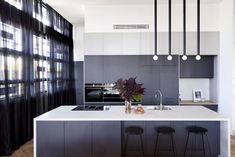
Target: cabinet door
151, 135
162, 43
50, 139
94, 44
146, 43
210, 43
113, 43
169, 84
78, 139
79, 82
116, 67
131, 43
94, 69
106, 139
191, 68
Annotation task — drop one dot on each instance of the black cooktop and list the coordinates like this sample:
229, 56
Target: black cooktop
89, 108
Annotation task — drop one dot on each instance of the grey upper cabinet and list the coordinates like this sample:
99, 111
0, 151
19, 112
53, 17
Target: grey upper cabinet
146, 43
94, 69
191, 68
94, 43
116, 67
113, 43
142, 43
209, 43
131, 43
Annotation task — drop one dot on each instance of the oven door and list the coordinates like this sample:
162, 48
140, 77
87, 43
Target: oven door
93, 94
112, 98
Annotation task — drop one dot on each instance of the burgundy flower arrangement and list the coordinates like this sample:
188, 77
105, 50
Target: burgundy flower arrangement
129, 89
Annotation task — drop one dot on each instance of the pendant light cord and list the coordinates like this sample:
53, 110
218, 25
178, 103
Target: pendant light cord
155, 27
184, 27
169, 27
198, 27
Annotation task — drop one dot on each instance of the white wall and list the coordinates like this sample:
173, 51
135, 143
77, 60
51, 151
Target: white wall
102, 18
78, 37
225, 96
186, 87
233, 110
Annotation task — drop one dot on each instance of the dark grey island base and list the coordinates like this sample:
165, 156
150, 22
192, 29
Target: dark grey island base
66, 133
106, 138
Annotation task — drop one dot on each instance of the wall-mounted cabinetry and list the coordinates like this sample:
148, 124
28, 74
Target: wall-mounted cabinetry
142, 43
193, 68
154, 75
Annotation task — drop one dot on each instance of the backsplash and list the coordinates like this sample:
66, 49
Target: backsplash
186, 87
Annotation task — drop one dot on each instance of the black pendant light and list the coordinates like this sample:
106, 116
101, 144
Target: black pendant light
155, 57
169, 57
184, 57
198, 57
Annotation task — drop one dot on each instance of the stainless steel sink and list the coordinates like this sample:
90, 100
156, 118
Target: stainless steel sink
163, 108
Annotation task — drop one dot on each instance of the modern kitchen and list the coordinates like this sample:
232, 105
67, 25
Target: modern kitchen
117, 78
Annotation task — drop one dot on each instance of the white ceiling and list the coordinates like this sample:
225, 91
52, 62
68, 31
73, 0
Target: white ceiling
74, 10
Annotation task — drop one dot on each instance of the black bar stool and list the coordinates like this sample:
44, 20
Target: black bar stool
165, 130
134, 130
197, 130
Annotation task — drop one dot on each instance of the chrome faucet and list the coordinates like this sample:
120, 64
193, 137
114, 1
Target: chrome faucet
160, 94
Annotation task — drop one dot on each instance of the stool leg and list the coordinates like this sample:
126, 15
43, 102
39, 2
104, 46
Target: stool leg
156, 145
142, 144
125, 146
193, 145
186, 144
208, 144
173, 144
204, 152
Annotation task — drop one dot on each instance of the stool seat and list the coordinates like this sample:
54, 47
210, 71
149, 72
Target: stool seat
196, 129
135, 130
165, 130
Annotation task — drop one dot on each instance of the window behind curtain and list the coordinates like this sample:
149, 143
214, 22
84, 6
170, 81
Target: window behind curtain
36, 67
50, 59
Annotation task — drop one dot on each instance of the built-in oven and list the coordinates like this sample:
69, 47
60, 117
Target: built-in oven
102, 92
111, 95
93, 93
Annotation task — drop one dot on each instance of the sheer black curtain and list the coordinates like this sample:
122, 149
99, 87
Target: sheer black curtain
36, 67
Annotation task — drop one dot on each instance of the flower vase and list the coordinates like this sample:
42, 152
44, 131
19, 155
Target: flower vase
128, 106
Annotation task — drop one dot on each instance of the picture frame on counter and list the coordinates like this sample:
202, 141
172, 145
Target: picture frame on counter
198, 95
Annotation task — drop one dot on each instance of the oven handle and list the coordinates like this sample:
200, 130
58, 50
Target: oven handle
93, 88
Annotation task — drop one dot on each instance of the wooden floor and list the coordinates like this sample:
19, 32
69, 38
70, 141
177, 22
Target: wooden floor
27, 149
233, 146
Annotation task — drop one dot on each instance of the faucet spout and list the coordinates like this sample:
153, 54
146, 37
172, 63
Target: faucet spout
160, 94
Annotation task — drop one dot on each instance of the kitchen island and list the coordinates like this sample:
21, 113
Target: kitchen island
66, 133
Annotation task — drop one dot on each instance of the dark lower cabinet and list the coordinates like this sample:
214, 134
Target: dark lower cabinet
152, 135
78, 139
106, 139
213, 137
134, 143
50, 139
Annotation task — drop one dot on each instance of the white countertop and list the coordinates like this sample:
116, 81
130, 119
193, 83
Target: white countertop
116, 113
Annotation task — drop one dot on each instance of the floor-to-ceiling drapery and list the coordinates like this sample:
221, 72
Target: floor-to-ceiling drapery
36, 67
